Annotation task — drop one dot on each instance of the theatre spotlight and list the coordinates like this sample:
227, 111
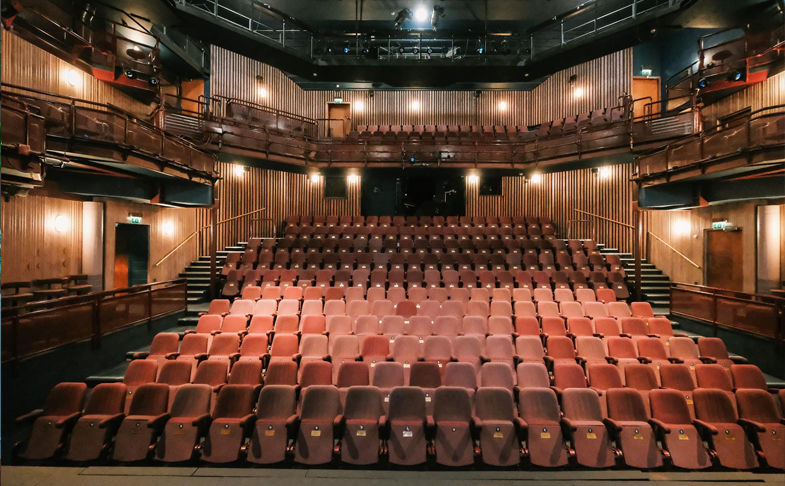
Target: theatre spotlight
401, 18
436, 15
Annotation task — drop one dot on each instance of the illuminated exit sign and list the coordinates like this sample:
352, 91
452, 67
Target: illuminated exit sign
337, 100
135, 219
719, 225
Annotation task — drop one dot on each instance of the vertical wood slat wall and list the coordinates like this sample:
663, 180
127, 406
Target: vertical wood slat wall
25, 64
32, 248
558, 194
770, 92
281, 193
603, 80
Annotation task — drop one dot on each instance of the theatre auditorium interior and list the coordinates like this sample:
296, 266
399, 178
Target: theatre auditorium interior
331, 242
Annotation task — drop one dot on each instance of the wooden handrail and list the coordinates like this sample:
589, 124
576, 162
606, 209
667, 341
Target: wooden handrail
604, 218
675, 250
196, 232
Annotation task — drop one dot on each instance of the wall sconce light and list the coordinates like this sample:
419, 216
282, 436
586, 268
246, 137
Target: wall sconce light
577, 92
415, 105
473, 178
682, 227
359, 105
169, 228
502, 106
239, 170
315, 177
262, 89
536, 178
605, 172
352, 178
72, 77
61, 223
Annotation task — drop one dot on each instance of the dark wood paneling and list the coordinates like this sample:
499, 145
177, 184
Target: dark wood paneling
558, 194
768, 93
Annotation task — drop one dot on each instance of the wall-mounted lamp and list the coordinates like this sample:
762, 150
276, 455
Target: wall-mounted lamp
315, 177
169, 228
359, 105
239, 170
604, 172
415, 105
502, 106
72, 77
61, 223
536, 178
682, 227
353, 178
262, 90
473, 178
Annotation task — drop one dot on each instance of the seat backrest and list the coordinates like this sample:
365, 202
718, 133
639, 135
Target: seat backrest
581, 405
626, 405
281, 373
407, 404
150, 399
140, 371
425, 375
670, 407
191, 401
712, 347
683, 347
452, 404
315, 373
276, 402
539, 406
387, 375
106, 399
533, 375
677, 377
460, 375
246, 373
174, 373
568, 376
589, 347
714, 406
498, 375
560, 347
224, 344
234, 401
640, 377
604, 377
621, 347
363, 403
714, 376
748, 376
353, 373
164, 343
652, 348
320, 402
494, 404
756, 405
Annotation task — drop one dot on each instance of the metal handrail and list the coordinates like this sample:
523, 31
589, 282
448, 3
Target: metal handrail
604, 218
199, 230
674, 250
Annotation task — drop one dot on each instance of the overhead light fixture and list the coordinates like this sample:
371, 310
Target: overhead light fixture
421, 15
72, 77
703, 83
415, 105
401, 18
315, 177
502, 106
436, 15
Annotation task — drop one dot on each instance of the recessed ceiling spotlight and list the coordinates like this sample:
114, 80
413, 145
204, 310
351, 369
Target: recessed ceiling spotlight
421, 15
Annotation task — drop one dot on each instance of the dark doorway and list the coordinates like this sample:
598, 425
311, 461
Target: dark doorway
406, 194
131, 254
724, 260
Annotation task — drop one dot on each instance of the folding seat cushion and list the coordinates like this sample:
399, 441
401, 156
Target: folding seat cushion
760, 418
622, 350
499, 375
500, 429
94, 429
212, 373
321, 405
628, 422
188, 422
719, 426
406, 426
539, 410
360, 425
748, 376
587, 433
714, 350
559, 349
175, 374
232, 420
528, 349
163, 344
139, 372
313, 373
143, 423
428, 377
274, 426
674, 428
452, 415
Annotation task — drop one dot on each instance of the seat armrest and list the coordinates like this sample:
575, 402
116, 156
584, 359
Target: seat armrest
568, 425
675, 360
68, 420
654, 336
752, 425
297, 357
612, 425
708, 359
660, 425
248, 421
201, 356
680, 334
338, 426
739, 360
112, 421
521, 428
430, 427
190, 331
557, 391
159, 421
202, 420
625, 335
172, 355
611, 360
327, 358
234, 357
484, 359
644, 360
476, 422
705, 427
139, 355
30, 417
292, 425
599, 335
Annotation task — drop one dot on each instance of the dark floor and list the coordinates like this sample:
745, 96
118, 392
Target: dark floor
176, 476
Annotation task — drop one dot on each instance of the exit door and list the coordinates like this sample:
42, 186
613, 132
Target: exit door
647, 90
339, 119
724, 260
131, 254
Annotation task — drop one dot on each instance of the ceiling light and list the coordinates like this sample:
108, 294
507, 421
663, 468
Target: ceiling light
401, 18
421, 15
415, 105
61, 223
315, 177
436, 15
502, 106
72, 77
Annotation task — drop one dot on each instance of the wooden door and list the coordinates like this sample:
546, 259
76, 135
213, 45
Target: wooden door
724, 260
645, 88
339, 122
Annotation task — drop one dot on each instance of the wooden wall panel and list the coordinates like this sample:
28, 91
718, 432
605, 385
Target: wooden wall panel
768, 93
183, 221
558, 194
685, 231
280, 193
602, 80
31, 247
27, 65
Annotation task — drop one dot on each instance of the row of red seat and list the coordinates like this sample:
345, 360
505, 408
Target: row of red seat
438, 221
462, 426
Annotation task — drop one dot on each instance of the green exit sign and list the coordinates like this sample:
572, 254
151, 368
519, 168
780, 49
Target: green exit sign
719, 225
337, 100
135, 219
